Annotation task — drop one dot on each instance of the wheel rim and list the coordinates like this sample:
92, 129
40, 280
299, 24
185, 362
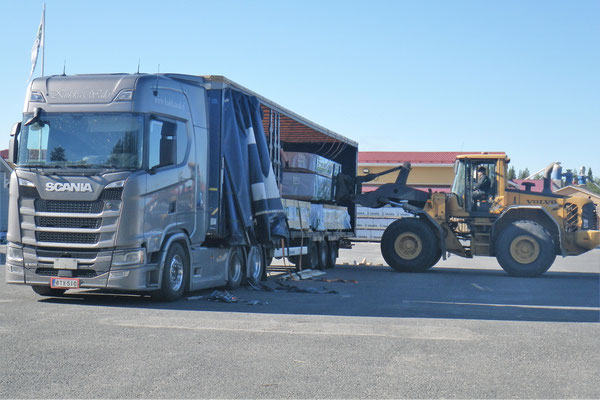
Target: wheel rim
254, 264
524, 249
176, 272
408, 245
235, 268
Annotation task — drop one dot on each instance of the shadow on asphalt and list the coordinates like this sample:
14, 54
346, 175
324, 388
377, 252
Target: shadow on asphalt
380, 292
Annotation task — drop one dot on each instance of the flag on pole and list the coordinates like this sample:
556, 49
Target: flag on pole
39, 42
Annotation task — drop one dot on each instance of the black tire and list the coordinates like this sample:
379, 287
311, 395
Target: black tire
525, 249
409, 245
332, 250
48, 291
310, 260
175, 274
255, 265
322, 251
436, 257
236, 262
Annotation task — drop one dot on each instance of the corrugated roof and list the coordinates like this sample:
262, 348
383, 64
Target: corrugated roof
414, 157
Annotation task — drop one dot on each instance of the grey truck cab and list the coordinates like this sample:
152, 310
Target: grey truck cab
118, 187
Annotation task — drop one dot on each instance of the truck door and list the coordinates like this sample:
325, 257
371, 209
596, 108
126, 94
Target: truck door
167, 146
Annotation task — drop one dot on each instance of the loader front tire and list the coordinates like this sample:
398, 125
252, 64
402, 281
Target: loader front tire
409, 245
525, 249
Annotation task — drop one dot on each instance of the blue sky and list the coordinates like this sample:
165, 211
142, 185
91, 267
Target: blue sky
516, 76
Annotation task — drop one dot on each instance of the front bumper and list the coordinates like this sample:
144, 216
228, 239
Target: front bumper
135, 279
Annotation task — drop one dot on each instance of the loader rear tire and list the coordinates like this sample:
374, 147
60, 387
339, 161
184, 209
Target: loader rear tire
525, 249
410, 245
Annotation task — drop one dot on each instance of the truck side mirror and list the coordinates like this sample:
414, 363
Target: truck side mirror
13, 144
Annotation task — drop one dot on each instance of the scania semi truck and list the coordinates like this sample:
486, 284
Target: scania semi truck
158, 184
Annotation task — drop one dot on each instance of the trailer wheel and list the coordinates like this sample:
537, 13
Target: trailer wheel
174, 275
310, 260
255, 265
332, 249
323, 252
409, 245
235, 268
48, 291
525, 249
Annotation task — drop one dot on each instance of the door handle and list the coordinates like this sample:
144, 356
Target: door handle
172, 207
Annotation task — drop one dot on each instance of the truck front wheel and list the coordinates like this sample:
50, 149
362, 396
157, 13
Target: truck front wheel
525, 249
174, 275
409, 245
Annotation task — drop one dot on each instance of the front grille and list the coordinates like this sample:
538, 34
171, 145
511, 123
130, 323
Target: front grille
60, 206
79, 273
28, 192
112, 194
66, 253
571, 217
67, 237
63, 222
589, 214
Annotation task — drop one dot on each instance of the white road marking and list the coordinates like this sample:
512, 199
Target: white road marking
304, 327
507, 305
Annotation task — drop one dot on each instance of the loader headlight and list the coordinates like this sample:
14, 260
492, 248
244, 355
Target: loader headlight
128, 257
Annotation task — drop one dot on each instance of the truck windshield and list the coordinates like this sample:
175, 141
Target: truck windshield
82, 140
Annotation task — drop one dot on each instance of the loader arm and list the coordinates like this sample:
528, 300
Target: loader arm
391, 193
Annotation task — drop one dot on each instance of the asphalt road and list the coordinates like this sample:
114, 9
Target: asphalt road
462, 330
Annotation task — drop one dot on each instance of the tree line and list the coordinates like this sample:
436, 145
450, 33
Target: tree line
593, 182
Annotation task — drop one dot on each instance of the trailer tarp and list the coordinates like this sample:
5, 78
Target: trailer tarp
252, 201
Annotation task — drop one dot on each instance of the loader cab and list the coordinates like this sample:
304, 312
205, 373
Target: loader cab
470, 196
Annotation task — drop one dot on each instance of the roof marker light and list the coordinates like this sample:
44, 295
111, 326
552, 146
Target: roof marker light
125, 95
37, 97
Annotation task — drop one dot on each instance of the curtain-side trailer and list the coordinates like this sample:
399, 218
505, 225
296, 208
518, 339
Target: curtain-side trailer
159, 183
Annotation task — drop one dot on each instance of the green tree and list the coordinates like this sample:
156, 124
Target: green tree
590, 176
511, 173
524, 173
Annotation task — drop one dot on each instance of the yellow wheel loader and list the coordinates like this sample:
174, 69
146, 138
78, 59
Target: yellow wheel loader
524, 230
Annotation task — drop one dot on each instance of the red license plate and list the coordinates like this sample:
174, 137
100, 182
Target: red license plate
64, 283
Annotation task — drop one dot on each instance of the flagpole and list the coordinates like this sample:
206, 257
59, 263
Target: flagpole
43, 36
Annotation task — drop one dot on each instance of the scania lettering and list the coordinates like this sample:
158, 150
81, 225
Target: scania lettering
159, 184
68, 187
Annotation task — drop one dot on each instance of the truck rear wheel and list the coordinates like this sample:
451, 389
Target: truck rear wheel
255, 265
525, 249
409, 245
235, 268
48, 291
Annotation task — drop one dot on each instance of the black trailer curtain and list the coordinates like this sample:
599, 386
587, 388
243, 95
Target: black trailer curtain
251, 197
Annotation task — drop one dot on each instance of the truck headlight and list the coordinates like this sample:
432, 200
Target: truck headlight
128, 257
14, 255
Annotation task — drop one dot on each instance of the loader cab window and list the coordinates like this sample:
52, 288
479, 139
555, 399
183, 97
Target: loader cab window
167, 143
458, 187
483, 184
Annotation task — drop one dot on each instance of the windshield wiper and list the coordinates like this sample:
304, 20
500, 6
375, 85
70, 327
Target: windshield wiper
40, 166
